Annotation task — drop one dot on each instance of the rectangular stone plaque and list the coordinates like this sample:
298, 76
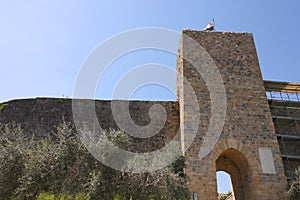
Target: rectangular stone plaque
266, 160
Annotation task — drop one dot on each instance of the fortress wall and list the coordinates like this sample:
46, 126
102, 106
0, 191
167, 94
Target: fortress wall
43, 115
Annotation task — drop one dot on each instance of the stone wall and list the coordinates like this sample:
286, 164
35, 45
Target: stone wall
43, 115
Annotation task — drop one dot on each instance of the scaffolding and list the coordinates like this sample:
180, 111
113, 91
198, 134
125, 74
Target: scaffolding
284, 101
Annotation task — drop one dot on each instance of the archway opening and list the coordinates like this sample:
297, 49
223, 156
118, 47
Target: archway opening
224, 182
235, 164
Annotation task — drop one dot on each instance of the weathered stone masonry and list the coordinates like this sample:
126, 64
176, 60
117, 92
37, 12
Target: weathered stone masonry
248, 133
43, 115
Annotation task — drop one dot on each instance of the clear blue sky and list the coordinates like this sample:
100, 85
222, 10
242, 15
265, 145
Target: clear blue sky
43, 43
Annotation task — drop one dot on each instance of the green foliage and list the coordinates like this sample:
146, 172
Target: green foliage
294, 189
2, 106
174, 108
224, 197
11, 156
60, 167
47, 196
178, 166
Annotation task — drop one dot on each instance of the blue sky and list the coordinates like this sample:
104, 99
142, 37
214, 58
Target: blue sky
43, 43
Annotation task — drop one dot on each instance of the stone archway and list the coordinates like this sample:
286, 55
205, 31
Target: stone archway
239, 162
235, 164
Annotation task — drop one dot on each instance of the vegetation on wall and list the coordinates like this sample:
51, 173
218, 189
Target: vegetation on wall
294, 188
2, 106
60, 166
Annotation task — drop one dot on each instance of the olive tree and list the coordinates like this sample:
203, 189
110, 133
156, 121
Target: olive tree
59, 164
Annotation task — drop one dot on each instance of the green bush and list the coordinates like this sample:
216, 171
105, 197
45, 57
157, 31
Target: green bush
60, 167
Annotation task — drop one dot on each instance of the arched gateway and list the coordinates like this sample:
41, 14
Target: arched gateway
240, 163
238, 139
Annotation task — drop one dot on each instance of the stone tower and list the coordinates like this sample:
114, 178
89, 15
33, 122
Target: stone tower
226, 124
